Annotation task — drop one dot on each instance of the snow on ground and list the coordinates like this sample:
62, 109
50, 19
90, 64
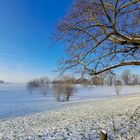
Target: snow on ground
15, 100
79, 120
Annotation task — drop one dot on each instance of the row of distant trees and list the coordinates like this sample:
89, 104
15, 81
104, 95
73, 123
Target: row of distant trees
39, 84
108, 78
64, 87
125, 78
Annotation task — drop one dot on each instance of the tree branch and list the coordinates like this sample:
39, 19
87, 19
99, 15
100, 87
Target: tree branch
136, 63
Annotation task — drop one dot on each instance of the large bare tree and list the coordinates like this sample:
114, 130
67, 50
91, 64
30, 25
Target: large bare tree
100, 35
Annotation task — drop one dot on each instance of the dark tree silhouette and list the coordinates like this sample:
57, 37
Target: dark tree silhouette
100, 35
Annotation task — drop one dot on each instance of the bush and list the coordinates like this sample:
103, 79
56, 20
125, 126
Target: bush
63, 91
118, 89
57, 91
42, 84
68, 90
31, 85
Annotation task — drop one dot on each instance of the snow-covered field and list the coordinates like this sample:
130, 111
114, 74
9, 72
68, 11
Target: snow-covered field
15, 100
90, 109
81, 120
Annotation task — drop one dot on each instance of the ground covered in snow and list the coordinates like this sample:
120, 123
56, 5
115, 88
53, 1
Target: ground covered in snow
15, 100
119, 116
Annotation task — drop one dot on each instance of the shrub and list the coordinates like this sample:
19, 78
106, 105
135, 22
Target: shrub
42, 84
118, 89
63, 91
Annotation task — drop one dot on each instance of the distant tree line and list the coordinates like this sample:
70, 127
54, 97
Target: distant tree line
64, 87
39, 84
106, 78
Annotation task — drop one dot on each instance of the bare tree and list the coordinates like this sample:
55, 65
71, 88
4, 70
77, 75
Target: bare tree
68, 91
126, 76
135, 79
96, 80
58, 90
117, 85
32, 85
63, 88
42, 84
110, 79
100, 35
63, 91
118, 89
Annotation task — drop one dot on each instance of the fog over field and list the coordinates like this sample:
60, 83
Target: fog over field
77, 119
16, 100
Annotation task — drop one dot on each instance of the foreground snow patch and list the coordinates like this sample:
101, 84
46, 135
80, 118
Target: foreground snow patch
81, 120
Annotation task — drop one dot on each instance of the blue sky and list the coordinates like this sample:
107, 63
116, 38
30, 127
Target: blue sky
25, 46
26, 27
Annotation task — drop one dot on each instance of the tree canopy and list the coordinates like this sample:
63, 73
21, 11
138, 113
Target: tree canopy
100, 35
